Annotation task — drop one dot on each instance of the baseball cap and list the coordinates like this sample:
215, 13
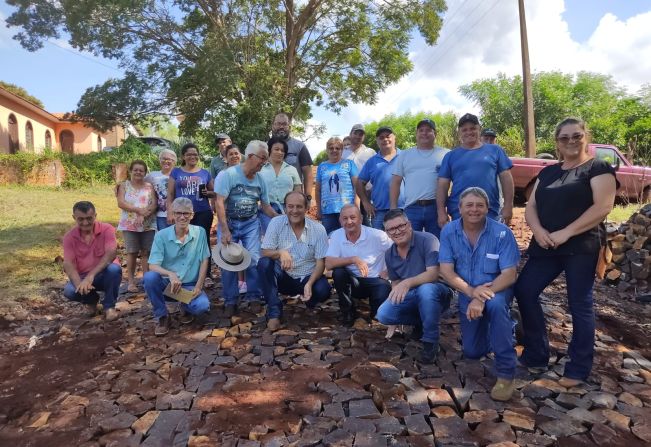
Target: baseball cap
357, 127
468, 118
382, 130
489, 132
427, 121
221, 136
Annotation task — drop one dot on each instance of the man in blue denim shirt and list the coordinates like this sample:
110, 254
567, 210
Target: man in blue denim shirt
479, 258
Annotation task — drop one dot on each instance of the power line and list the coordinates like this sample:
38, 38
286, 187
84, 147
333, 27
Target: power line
83, 56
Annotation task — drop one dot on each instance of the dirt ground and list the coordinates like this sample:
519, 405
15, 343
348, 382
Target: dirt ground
66, 380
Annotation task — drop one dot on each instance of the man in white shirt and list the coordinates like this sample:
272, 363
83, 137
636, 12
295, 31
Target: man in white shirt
356, 257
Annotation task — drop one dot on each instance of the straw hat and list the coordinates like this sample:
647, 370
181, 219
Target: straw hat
231, 257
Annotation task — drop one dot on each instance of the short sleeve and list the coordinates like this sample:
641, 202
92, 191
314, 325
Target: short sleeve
446, 254
431, 246
270, 240
334, 248
504, 163
157, 251
319, 173
446, 170
365, 174
321, 245
110, 241
264, 191
399, 166
353, 168
393, 276
225, 183
68, 248
600, 167
296, 179
304, 157
508, 250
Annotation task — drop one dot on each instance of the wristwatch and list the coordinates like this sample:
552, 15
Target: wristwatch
309, 197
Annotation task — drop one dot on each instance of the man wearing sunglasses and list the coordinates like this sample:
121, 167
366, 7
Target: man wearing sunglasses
416, 298
179, 257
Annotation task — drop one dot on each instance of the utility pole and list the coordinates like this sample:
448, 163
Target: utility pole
529, 126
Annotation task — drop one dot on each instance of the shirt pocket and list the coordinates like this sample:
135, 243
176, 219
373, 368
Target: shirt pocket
491, 263
99, 250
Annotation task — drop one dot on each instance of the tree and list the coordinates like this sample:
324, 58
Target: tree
404, 127
19, 91
229, 66
594, 97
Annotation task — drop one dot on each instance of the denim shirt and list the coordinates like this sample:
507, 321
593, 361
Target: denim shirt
495, 251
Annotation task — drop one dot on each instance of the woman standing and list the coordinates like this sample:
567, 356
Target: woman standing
334, 185
280, 177
567, 205
192, 182
159, 179
137, 200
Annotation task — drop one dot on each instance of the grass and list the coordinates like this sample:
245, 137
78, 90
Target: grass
621, 213
33, 221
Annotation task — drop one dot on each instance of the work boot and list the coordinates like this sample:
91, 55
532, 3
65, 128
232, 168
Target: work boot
503, 390
185, 317
111, 314
273, 324
429, 353
90, 310
569, 383
163, 326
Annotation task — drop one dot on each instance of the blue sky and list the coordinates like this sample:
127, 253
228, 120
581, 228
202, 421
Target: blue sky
480, 39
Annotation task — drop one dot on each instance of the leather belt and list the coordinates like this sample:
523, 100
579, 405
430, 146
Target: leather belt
425, 202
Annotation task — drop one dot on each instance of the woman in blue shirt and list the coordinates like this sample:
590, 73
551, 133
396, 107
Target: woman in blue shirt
334, 185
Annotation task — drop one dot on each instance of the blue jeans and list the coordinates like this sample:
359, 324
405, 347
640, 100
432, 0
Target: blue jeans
264, 219
540, 271
422, 305
161, 223
424, 218
378, 219
350, 286
492, 331
155, 284
330, 222
108, 281
246, 232
275, 280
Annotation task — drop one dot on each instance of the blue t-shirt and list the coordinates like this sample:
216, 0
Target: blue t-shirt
337, 187
241, 194
475, 167
187, 185
380, 172
423, 253
495, 251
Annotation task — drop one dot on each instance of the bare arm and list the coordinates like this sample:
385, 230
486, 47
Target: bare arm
541, 235
442, 188
268, 210
221, 219
506, 180
123, 204
360, 188
317, 199
203, 271
171, 192
394, 191
308, 179
353, 181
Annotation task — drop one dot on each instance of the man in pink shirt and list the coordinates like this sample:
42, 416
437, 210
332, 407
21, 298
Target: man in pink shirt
89, 260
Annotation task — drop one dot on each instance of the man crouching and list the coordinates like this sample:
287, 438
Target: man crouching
179, 257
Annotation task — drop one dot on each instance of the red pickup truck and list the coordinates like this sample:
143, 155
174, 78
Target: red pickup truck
635, 181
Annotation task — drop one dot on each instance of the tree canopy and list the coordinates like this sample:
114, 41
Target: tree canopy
613, 115
229, 66
19, 91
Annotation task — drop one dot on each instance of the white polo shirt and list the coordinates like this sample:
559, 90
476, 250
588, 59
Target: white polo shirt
370, 247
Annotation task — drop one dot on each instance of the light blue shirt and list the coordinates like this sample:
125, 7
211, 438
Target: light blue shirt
475, 167
419, 169
378, 171
241, 195
336, 182
183, 258
495, 251
312, 244
279, 185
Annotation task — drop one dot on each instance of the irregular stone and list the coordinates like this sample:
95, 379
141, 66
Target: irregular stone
549, 384
452, 431
477, 416
629, 399
550, 413
334, 411
355, 425
570, 401
438, 397
444, 412
40, 419
603, 435
601, 400
118, 438
364, 409
615, 419
308, 406
417, 425
503, 444
482, 401
397, 408
180, 401
642, 431
145, 422
388, 425
536, 392
388, 372
461, 397
533, 439
520, 418
117, 422
562, 427
495, 432
369, 440
418, 401
338, 438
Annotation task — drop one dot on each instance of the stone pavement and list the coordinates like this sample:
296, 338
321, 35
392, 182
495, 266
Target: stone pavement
221, 382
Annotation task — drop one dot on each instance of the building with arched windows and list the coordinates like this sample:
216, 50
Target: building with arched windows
26, 127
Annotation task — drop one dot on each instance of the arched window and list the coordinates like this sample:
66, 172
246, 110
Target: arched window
99, 143
48, 140
29, 136
13, 134
67, 140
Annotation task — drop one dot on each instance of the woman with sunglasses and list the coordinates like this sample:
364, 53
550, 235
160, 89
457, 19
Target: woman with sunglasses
565, 210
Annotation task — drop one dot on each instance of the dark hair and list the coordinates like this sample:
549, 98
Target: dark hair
233, 146
84, 206
138, 162
568, 122
392, 214
186, 147
307, 202
282, 113
276, 140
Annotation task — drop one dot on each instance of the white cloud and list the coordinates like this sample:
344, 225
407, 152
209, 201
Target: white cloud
481, 39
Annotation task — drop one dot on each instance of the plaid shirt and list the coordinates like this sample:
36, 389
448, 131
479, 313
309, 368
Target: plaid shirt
312, 245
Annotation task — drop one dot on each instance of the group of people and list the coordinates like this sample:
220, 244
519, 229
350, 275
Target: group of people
405, 229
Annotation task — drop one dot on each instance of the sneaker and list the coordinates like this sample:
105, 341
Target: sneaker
242, 287
112, 314
429, 353
163, 326
569, 383
273, 324
185, 317
229, 310
503, 390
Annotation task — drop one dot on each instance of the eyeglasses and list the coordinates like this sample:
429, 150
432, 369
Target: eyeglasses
265, 159
566, 138
397, 229
182, 214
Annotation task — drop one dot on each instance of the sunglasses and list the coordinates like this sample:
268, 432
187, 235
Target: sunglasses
567, 138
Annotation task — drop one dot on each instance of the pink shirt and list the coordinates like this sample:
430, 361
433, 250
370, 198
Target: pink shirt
86, 256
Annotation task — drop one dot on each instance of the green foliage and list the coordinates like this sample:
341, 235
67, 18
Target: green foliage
229, 66
404, 127
19, 91
320, 158
613, 117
